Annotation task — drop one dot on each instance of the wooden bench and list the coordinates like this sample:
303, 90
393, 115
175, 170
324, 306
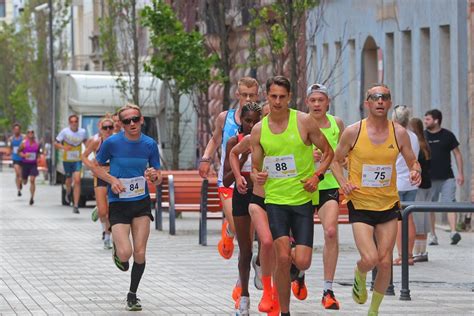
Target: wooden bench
343, 212
186, 191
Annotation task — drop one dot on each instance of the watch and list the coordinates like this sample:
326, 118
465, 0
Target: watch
205, 159
320, 176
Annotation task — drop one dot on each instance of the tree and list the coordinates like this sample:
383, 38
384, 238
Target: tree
119, 40
179, 59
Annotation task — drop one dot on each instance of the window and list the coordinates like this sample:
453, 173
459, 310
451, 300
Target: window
2, 9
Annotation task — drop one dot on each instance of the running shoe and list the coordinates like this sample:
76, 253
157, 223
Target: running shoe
107, 244
455, 238
359, 291
266, 303
95, 214
329, 301
276, 306
299, 288
67, 199
19, 193
294, 272
75, 210
244, 306
123, 266
32, 201
432, 240
237, 291
257, 280
133, 303
226, 244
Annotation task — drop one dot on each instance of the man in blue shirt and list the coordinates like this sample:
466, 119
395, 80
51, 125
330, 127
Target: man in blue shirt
15, 140
134, 159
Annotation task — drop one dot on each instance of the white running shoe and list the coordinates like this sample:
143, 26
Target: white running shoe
244, 306
257, 280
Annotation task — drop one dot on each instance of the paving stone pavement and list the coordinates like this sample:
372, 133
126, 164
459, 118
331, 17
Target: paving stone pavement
52, 263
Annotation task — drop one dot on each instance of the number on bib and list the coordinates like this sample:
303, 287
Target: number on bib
376, 176
133, 187
73, 155
279, 167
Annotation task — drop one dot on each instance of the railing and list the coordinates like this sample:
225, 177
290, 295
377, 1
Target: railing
423, 207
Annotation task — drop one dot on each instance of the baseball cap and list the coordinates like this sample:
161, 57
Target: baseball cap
317, 87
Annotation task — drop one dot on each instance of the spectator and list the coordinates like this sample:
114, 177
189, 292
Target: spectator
422, 220
443, 184
406, 190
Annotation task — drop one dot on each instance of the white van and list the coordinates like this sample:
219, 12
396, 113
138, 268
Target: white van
92, 94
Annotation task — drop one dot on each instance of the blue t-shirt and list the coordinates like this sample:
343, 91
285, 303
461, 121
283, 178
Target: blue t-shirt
15, 143
128, 159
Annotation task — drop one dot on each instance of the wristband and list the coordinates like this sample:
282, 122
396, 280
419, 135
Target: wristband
320, 176
203, 159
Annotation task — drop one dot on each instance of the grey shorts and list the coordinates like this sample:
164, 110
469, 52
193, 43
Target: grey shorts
443, 190
422, 220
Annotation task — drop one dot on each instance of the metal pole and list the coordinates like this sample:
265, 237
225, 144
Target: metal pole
51, 90
422, 207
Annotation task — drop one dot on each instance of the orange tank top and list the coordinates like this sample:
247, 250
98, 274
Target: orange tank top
372, 169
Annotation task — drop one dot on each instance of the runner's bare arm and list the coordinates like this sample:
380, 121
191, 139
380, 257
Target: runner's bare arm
212, 146
242, 147
319, 140
20, 149
459, 164
257, 155
91, 147
228, 176
406, 150
115, 185
345, 144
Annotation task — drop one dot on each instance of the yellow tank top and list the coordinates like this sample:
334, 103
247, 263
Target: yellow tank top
372, 169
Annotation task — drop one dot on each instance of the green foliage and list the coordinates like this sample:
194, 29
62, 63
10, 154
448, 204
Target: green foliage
179, 57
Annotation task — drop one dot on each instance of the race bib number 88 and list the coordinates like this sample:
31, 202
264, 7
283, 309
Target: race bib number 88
376, 176
279, 167
133, 187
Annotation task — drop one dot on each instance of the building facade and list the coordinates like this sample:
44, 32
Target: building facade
419, 48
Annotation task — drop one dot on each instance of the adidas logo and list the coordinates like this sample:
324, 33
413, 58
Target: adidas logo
391, 146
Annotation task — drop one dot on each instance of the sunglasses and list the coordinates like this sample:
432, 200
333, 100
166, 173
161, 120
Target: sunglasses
107, 127
376, 96
135, 119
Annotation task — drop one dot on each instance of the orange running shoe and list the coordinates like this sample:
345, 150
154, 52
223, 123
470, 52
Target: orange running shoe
329, 301
266, 303
299, 288
226, 244
236, 292
275, 308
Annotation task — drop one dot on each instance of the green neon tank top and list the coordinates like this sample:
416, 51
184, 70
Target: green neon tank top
332, 135
288, 160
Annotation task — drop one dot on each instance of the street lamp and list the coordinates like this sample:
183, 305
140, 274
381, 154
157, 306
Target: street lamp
42, 7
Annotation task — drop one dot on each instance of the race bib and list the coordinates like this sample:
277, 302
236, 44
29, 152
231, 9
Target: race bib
15, 150
30, 156
279, 167
376, 176
133, 187
73, 155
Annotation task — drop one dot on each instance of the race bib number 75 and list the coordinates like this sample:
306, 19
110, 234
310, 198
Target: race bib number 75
133, 187
376, 176
279, 167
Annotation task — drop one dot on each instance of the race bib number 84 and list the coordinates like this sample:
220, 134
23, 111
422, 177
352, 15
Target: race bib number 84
279, 167
133, 187
376, 176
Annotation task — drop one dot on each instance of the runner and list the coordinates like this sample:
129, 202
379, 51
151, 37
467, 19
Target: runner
15, 141
282, 144
249, 116
317, 100
70, 140
134, 160
101, 211
29, 151
227, 125
117, 123
373, 145
269, 302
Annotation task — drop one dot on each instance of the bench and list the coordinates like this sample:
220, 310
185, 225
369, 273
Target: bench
343, 212
186, 191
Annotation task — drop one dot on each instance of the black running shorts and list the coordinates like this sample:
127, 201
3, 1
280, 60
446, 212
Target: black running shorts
240, 203
125, 212
260, 201
327, 195
297, 219
373, 218
98, 182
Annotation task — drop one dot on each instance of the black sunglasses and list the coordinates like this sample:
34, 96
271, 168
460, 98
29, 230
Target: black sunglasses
135, 119
106, 127
376, 96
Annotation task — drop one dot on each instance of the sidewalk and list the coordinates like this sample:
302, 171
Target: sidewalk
52, 263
